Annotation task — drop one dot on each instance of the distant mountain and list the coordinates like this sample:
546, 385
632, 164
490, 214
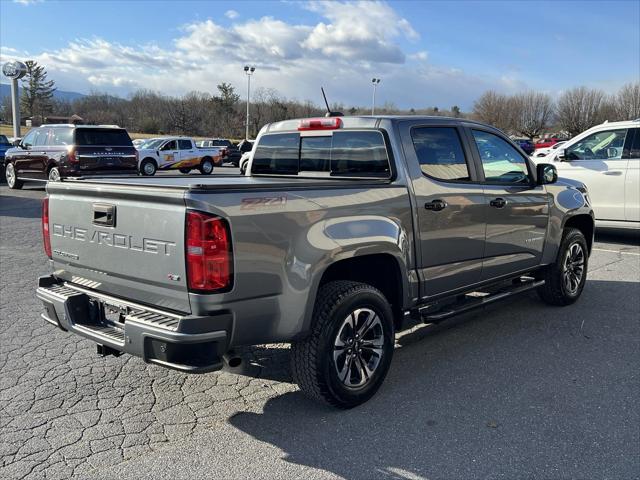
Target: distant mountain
5, 91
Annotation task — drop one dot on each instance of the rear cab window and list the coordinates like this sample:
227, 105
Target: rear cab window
337, 153
103, 137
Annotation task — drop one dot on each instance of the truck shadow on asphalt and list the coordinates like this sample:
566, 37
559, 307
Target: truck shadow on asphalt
517, 390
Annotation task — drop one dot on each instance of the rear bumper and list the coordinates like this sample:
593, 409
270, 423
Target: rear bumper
186, 343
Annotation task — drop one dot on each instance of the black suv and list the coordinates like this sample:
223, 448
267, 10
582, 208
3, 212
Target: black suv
52, 152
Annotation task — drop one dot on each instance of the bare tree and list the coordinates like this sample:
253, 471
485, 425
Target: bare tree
579, 109
495, 109
628, 102
533, 111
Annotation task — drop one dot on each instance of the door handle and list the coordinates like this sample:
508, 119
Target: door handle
435, 205
498, 202
615, 173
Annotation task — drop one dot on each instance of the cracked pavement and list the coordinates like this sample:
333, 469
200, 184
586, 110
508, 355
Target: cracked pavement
513, 391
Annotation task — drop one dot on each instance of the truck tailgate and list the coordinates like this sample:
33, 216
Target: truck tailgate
123, 241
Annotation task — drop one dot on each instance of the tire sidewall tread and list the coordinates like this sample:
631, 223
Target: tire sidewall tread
311, 362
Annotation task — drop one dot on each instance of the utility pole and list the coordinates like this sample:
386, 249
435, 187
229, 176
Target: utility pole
249, 71
375, 82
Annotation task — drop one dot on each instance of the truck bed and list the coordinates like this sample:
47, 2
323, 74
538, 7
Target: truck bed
195, 182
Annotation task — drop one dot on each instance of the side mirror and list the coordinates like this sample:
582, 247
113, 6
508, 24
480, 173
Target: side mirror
562, 155
612, 152
546, 173
16, 143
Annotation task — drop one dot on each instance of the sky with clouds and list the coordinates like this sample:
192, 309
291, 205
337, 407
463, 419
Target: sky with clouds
427, 53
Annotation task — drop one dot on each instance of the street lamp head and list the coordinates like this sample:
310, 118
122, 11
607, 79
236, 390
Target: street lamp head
246, 68
253, 69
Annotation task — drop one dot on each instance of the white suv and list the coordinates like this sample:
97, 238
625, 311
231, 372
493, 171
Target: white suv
606, 158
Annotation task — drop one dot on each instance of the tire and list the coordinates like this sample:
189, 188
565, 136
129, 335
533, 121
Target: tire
148, 167
185, 170
319, 363
206, 166
565, 279
54, 174
11, 177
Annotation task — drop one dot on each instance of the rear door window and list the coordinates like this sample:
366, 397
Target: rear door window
61, 136
184, 144
358, 153
108, 137
440, 153
635, 147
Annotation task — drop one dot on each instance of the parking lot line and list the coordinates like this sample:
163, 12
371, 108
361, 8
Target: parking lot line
616, 251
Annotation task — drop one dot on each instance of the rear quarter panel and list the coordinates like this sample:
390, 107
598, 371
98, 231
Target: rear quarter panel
284, 241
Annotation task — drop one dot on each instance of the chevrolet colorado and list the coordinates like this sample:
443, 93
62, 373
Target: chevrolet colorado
344, 228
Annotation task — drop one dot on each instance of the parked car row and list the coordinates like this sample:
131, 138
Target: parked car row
606, 158
52, 152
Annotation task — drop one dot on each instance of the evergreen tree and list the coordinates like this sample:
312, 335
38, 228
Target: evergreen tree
37, 91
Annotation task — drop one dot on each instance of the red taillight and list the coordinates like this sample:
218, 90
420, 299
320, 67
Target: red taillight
322, 123
208, 252
46, 237
71, 156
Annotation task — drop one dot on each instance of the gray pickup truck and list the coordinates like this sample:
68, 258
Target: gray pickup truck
343, 229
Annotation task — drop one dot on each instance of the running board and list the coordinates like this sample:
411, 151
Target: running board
474, 300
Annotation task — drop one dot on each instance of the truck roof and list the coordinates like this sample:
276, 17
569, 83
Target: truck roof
367, 121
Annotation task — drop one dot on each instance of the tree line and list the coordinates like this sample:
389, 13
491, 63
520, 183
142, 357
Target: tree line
223, 113
530, 114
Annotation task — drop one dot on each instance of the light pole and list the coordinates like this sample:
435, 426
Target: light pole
15, 71
375, 82
249, 71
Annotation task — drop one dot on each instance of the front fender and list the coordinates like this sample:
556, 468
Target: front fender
568, 199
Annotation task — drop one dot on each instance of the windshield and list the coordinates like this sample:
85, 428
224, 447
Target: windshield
151, 143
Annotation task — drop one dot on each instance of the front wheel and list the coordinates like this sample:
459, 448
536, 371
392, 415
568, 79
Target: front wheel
148, 167
12, 178
206, 166
565, 279
347, 355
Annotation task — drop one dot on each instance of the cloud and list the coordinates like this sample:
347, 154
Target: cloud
348, 45
232, 14
27, 2
422, 56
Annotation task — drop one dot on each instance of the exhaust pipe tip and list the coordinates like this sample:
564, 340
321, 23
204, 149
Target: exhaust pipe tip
231, 360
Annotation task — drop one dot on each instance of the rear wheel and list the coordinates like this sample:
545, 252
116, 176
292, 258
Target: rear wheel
148, 167
54, 174
206, 166
565, 279
347, 355
12, 178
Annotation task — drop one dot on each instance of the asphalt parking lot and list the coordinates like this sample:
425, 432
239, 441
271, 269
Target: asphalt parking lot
517, 390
